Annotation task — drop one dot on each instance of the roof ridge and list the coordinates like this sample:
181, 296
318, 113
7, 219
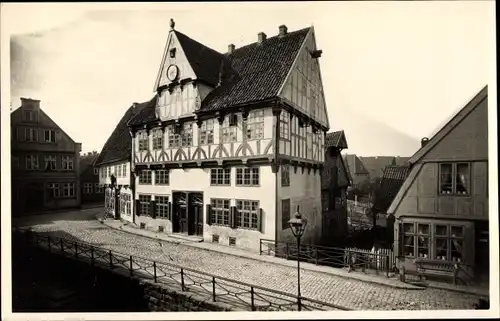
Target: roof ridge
197, 42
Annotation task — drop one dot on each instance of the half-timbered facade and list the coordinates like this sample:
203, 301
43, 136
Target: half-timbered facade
232, 143
441, 209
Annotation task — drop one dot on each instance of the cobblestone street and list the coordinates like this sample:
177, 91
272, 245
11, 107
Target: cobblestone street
344, 292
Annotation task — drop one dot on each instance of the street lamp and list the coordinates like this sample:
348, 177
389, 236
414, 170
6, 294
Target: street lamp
298, 225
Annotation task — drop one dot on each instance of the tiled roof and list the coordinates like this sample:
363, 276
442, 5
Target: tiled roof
87, 160
335, 139
252, 73
375, 164
146, 114
118, 147
261, 68
392, 180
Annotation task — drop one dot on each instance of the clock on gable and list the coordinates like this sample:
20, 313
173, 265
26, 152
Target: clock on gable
172, 72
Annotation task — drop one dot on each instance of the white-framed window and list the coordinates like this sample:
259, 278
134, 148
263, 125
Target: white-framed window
31, 134
248, 214
157, 139
96, 171
87, 188
145, 177
220, 210
126, 203
207, 132
99, 189
284, 125
454, 178
143, 140
118, 170
144, 204
67, 163
229, 131
255, 124
108, 172
68, 189
53, 190
161, 177
50, 162
161, 206
247, 176
220, 176
50, 136
32, 162
182, 137
124, 170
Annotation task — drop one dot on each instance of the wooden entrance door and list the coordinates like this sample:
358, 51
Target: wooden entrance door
195, 214
181, 215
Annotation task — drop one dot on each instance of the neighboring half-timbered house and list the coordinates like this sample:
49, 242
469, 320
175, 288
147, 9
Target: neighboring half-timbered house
233, 142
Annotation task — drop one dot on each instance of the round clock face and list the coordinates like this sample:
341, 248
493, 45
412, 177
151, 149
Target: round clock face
172, 72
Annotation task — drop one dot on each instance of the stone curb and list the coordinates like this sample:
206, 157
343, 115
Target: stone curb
191, 244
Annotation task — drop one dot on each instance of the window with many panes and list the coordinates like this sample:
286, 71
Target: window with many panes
449, 242
162, 177
68, 189
284, 125
31, 134
248, 214
247, 176
157, 139
126, 203
285, 175
145, 177
220, 211
50, 136
285, 213
454, 178
143, 139
87, 188
423, 238
229, 131
162, 206
220, 176
182, 137
31, 162
409, 239
144, 204
255, 124
67, 163
50, 162
98, 188
124, 170
54, 191
118, 170
207, 132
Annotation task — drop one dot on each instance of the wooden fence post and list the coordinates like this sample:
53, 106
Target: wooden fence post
131, 270
252, 298
213, 288
182, 279
154, 271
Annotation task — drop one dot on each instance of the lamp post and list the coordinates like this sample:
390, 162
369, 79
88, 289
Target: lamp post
298, 225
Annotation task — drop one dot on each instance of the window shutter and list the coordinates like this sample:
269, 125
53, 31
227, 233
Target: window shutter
137, 208
232, 216
152, 208
209, 214
169, 211
260, 218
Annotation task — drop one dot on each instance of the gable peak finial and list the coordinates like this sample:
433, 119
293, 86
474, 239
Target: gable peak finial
172, 24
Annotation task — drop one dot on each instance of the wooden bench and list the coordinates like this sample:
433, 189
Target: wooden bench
436, 267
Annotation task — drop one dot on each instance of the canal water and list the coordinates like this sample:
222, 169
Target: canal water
43, 282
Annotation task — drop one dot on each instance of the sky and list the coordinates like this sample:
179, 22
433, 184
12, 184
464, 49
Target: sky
393, 72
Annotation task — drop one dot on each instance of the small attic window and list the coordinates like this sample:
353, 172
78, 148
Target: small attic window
172, 53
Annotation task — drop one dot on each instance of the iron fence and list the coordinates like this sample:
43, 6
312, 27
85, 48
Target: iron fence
235, 294
353, 259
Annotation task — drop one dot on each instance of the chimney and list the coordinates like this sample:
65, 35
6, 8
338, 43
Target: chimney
262, 37
30, 103
424, 141
230, 48
283, 30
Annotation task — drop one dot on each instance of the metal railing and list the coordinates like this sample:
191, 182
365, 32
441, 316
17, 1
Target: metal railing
330, 256
234, 294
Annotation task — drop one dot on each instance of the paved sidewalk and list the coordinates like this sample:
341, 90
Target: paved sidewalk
316, 284
380, 280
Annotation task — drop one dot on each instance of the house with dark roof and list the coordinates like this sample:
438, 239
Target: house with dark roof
334, 184
90, 187
114, 161
45, 162
231, 144
441, 209
357, 170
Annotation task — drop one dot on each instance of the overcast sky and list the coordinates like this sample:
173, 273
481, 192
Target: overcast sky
393, 72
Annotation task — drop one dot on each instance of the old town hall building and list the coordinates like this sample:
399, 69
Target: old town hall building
232, 143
